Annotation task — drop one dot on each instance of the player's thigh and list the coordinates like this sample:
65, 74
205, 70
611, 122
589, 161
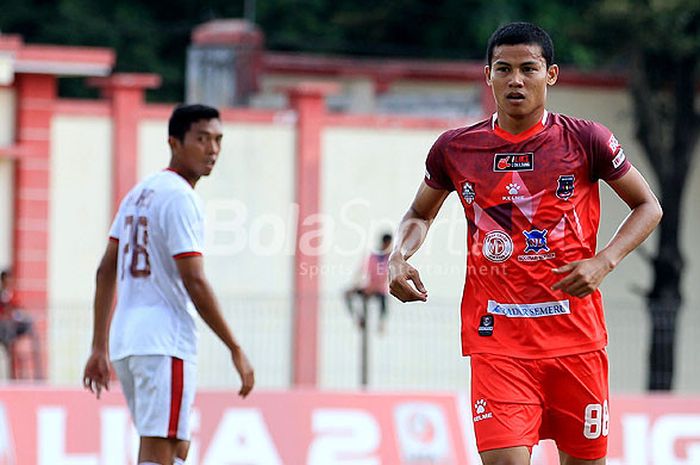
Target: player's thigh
507, 456
506, 404
566, 459
157, 450
577, 412
164, 389
126, 381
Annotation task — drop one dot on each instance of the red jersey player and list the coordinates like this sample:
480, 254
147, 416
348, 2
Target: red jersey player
532, 323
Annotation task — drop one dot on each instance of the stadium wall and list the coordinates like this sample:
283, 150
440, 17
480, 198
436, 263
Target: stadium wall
368, 169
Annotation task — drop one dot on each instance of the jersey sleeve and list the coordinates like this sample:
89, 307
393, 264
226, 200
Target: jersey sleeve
116, 228
183, 226
608, 160
435, 170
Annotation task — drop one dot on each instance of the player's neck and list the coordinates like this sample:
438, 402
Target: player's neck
192, 180
516, 125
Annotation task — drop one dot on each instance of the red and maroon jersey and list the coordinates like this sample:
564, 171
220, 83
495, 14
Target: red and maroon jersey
532, 204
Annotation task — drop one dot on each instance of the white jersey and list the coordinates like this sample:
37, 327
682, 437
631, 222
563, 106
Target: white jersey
160, 220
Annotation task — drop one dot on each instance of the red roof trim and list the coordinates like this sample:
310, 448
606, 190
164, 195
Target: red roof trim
388, 69
160, 111
83, 107
393, 121
92, 55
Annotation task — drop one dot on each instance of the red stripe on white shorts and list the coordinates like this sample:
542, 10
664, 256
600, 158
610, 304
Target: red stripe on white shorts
176, 384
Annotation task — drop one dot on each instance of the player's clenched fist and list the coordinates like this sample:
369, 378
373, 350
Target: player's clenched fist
400, 273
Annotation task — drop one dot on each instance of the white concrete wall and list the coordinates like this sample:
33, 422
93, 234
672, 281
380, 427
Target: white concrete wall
369, 179
250, 230
7, 137
6, 212
79, 218
369, 176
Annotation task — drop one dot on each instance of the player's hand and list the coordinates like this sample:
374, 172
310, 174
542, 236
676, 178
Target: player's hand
96, 375
582, 276
245, 371
400, 273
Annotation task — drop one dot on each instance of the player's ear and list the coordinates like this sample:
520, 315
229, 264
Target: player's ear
487, 75
552, 74
174, 143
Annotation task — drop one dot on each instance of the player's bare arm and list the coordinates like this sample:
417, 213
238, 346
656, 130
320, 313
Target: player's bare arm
411, 234
192, 272
97, 368
584, 276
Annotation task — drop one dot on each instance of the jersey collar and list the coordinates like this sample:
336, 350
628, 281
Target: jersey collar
538, 127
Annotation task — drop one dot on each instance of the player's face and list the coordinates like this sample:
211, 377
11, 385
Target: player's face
197, 153
519, 77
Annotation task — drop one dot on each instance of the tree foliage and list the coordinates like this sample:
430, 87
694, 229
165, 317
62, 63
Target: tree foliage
153, 36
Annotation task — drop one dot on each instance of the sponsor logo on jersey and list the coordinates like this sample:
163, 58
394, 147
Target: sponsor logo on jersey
565, 186
480, 412
498, 246
486, 325
513, 188
468, 192
619, 159
513, 162
613, 144
535, 310
536, 248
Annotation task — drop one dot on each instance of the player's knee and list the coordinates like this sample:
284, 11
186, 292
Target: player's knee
508, 456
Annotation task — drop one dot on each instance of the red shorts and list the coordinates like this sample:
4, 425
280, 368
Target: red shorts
517, 402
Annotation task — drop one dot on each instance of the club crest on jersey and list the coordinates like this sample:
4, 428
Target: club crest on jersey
536, 241
468, 192
503, 162
498, 246
565, 186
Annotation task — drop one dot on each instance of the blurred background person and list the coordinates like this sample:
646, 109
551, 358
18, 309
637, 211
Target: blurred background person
371, 283
17, 333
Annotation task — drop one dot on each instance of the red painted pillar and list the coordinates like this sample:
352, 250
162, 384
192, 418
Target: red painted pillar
35, 95
126, 92
308, 101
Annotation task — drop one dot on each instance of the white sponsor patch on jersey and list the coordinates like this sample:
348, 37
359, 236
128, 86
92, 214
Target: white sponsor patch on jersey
619, 159
536, 310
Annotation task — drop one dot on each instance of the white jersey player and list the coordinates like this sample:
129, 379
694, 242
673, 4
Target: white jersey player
155, 257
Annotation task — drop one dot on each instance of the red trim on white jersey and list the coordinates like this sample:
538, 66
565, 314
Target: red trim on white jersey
515, 138
112, 238
187, 254
177, 385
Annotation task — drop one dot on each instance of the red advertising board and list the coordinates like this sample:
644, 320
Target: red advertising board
69, 427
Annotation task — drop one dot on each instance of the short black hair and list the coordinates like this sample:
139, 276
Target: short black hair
184, 115
5, 273
386, 238
521, 33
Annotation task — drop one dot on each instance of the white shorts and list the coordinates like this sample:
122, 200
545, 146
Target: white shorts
159, 390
